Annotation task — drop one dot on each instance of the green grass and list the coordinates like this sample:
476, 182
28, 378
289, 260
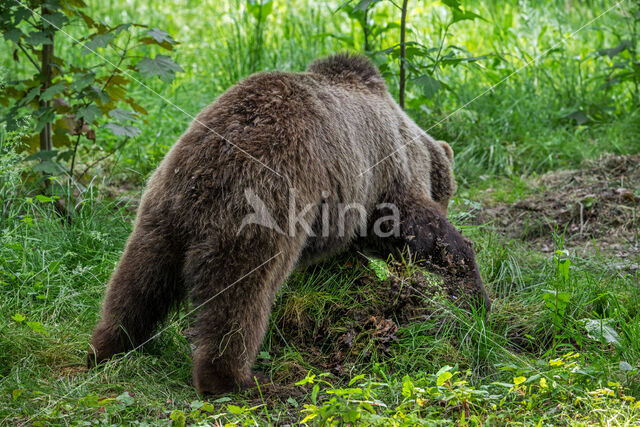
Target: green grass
332, 348
53, 276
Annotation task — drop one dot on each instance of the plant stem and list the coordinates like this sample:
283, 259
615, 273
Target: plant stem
257, 40
436, 63
104, 157
75, 148
635, 223
117, 67
403, 53
46, 142
365, 29
29, 57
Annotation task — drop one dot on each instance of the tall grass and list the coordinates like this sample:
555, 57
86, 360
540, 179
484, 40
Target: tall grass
541, 57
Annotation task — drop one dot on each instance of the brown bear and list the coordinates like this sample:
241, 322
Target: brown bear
282, 170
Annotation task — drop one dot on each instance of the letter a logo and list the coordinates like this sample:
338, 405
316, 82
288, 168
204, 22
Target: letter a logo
260, 215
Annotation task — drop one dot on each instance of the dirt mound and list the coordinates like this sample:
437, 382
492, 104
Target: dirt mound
597, 202
359, 326
335, 333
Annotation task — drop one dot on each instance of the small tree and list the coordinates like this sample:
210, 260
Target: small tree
418, 64
66, 101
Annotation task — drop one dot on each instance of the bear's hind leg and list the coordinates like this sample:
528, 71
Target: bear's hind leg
146, 284
233, 297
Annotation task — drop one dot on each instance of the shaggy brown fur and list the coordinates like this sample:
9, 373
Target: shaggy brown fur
319, 130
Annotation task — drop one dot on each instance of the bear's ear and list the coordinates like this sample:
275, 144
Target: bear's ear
447, 149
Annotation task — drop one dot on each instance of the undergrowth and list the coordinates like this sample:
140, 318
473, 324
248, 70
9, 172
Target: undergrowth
354, 340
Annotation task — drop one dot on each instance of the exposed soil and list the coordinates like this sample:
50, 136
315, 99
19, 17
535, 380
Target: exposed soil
597, 204
360, 330
364, 328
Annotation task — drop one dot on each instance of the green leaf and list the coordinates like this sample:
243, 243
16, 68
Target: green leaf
162, 66
501, 384
160, 36
260, 9
178, 417
82, 80
235, 409
42, 155
533, 378
196, 404
380, 268
52, 91
407, 386
458, 13
625, 366
36, 327
54, 5
55, 20
452, 4
602, 330
99, 94
355, 379
519, 380
122, 27
556, 300
30, 96
443, 378
37, 38
457, 60
364, 5
123, 115
18, 317
44, 117
579, 117
126, 399
443, 369
13, 35
21, 14
49, 167
314, 394
208, 407
15, 394
98, 41
123, 130
430, 86
563, 297
563, 262
307, 380
624, 45
89, 113
464, 16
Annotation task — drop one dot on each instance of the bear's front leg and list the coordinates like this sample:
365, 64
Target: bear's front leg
422, 228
